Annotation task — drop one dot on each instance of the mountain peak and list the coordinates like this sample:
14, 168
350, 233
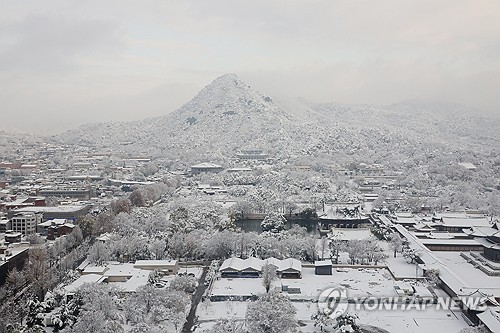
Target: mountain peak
228, 81
228, 77
227, 94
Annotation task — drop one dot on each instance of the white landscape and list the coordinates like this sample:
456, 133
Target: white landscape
250, 167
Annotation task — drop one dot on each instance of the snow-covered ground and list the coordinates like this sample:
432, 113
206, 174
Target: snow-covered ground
359, 283
238, 286
196, 270
399, 266
415, 321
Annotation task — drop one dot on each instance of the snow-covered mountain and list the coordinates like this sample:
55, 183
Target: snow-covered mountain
224, 117
426, 123
228, 115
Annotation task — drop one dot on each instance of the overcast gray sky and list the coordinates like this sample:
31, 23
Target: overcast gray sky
67, 62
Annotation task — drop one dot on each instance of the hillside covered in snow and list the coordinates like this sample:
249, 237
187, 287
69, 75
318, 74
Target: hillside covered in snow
228, 115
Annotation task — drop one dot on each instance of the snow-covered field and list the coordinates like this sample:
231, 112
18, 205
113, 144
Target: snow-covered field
359, 283
416, 321
399, 266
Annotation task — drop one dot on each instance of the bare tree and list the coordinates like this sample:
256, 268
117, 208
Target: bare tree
86, 225
104, 222
38, 272
354, 249
136, 198
15, 279
310, 247
268, 276
336, 245
395, 243
290, 207
322, 246
121, 205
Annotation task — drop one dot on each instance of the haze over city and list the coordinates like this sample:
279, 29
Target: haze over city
65, 63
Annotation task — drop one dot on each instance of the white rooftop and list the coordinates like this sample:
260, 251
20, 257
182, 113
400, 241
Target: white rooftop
256, 264
155, 263
468, 165
319, 263
206, 165
89, 278
44, 209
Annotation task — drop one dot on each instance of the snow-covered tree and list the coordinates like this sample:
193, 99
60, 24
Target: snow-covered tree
38, 272
268, 276
347, 323
185, 283
99, 253
411, 254
355, 249
220, 245
98, 311
336, 245
227, 326
322, 320
273, 312
310, 248
245, 243
15, 279
395, 243
476, 329
93, 321
432, 276
156, 306
141, 328
66, 313
379, 256
273, 222
157, 247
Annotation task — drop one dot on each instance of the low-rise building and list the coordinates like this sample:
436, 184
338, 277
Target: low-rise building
167, 267
69, 212
58, 230
24, 202
323, 267
5, 225
12, 237
252, 154
69, 192
10, 258
252, 267
205, 168
25, 223
489, 238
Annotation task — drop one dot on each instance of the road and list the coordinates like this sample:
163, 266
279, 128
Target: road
196, 298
